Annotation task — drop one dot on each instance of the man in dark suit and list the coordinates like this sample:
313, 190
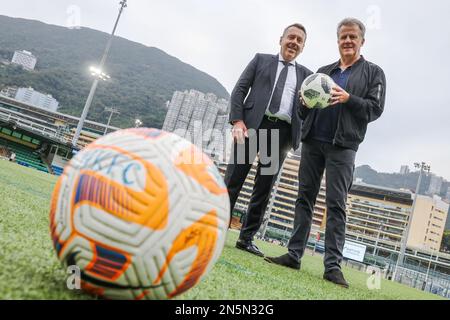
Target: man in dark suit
265, 118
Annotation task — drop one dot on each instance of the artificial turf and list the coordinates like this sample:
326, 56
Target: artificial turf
29, 268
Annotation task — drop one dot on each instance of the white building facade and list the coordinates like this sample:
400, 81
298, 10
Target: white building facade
200, 118
36, 98
404, 169
435, 185
24, 58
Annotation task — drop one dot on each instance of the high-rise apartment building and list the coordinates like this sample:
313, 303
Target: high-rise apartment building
377, 217
24, 58
200, 118
404, 169
428, 223
435, 185
36, 98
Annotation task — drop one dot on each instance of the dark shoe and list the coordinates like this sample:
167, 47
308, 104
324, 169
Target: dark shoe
285, 260
336, 277
249, 246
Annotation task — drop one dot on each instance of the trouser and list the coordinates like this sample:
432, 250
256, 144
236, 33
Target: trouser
339, 165
272, 141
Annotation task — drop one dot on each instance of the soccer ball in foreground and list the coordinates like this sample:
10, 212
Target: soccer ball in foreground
316, 90
143, 214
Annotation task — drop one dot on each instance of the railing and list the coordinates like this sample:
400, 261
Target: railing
422, 281
9, 116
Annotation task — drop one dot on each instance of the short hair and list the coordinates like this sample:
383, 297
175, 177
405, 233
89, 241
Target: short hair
351, 22
297, 25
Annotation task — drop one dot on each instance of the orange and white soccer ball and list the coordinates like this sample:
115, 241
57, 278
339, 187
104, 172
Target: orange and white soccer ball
142, 213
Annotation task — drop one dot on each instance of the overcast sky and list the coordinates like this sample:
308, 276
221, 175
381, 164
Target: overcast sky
410, 40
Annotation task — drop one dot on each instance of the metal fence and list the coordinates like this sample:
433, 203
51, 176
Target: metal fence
420, 280
49, 130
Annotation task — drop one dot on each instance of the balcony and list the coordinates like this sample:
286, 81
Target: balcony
376, 205
373, 232
376, 222
385, 215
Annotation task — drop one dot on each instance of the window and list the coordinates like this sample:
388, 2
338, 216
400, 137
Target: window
62, 152
26, 138
17, 134
6, 131
35, 141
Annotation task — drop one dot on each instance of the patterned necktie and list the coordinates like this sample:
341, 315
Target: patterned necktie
274, 106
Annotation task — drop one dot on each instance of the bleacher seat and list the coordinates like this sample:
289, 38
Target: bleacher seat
57, 170
25, 155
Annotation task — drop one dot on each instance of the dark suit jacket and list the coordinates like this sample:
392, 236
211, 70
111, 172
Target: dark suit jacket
259, 79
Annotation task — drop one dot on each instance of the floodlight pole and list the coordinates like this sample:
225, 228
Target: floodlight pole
423, 167
123, 4
112, 111
429, 266
378, 239
263, 229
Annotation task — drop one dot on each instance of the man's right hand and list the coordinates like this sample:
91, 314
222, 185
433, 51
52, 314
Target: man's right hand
239, 131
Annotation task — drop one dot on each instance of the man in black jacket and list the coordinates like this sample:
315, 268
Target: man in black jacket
331, 137
265, 118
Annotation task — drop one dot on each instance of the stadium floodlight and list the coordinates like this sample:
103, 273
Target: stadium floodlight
100, 76
400, 259
137, 123
96, 72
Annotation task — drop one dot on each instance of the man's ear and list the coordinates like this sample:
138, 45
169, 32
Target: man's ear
281, 38
363, 41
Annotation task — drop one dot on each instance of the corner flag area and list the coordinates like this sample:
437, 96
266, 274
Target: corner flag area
30, 269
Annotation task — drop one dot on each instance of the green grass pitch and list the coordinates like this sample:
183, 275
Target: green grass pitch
30, 269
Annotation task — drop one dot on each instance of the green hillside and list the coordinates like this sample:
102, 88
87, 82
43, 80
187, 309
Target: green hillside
142, 78
397, 180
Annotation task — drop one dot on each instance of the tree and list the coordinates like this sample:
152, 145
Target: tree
142, 78
445, 244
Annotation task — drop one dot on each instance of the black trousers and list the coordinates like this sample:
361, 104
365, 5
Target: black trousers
339, 164
273, 141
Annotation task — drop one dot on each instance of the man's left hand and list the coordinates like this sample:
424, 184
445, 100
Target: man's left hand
339, 95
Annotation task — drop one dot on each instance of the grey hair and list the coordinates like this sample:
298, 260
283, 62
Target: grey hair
352, 22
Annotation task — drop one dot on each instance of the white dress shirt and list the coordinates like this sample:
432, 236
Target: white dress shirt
287, 99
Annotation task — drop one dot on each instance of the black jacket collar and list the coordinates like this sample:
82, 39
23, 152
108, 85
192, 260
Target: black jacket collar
337, 63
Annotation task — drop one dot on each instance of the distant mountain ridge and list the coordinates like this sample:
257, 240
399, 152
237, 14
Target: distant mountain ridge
142, 78
397, 180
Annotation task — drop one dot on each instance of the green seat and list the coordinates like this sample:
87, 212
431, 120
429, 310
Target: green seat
25, 155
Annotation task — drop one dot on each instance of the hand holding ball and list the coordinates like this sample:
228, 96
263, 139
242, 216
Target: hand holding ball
316, 91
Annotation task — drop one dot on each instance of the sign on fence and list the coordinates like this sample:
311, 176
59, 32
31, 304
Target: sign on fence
354, 251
